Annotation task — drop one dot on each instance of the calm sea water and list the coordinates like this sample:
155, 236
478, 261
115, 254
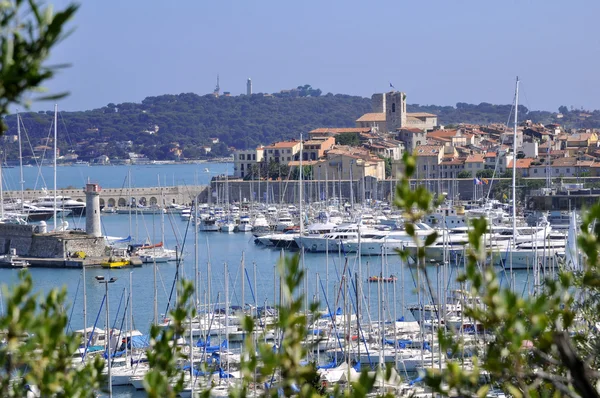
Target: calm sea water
115, 176
219, 250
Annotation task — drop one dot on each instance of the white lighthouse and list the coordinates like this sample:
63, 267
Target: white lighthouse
92, 212
249, 87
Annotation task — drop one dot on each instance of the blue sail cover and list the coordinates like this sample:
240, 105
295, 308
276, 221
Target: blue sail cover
140, 341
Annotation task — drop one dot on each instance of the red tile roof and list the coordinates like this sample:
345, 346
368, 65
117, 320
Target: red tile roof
521, 163
476, 158
428, 150
282, 144
372, 117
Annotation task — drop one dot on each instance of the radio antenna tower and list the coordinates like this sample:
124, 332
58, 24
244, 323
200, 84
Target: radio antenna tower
217, 88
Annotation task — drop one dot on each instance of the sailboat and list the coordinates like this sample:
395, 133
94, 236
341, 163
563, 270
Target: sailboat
228, 225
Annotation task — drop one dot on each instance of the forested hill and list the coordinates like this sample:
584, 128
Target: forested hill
240, 121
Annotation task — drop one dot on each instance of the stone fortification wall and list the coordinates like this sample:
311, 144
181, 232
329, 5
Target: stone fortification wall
17, 236
52, 245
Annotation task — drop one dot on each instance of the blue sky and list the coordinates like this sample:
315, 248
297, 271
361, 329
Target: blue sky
438, 52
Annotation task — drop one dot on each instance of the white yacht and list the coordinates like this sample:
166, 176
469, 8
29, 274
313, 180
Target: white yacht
375, 243
261, 225
244, 225
209, 224
331, 241
284, 220
62, 203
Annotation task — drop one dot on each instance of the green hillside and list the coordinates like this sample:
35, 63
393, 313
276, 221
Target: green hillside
242, 121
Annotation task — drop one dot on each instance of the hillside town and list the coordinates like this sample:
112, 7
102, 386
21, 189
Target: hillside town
443, 152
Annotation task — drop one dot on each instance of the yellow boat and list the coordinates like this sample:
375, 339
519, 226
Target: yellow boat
116, 263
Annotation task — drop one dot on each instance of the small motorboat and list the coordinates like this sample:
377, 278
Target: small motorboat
11, 260
118, 259
375, 279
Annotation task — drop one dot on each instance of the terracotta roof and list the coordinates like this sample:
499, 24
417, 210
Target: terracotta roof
283, 144
420, 114
477, 158
340, 130
411, 130
585, 163
524, 163
490, 155
372, 117
442, 134
564, 162
428, 150
441, 139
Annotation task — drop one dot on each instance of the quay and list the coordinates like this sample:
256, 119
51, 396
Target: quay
88, 262
119, 197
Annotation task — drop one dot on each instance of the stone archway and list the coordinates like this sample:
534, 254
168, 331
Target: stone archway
111, 202
153, 201
122, 202
142, 201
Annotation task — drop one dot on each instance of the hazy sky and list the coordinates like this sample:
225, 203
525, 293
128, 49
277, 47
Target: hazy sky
438, 52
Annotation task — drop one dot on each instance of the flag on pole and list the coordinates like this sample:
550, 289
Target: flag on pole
485, 180
477, 181
392, 86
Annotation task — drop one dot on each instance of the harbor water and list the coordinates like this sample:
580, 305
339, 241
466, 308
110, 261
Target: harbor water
213, 250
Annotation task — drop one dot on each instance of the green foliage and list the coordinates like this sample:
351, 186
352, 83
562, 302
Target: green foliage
464, 174
191, 120
351, 139
38, 351
29, 32
485, 173
307, 173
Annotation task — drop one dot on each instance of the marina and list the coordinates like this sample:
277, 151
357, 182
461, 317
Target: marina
230, 250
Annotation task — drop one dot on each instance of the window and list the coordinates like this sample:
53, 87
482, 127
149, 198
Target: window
242, 166
556, 171
470, 165
289, 151
242, 156
424, 168
534, 171
568, 170
393, 107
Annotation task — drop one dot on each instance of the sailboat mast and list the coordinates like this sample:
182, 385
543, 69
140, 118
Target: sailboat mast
514, 183
55, 135
85, 336
21, 181
514, 169
300, 191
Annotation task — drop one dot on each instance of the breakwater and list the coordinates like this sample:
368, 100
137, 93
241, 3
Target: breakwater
119, 197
